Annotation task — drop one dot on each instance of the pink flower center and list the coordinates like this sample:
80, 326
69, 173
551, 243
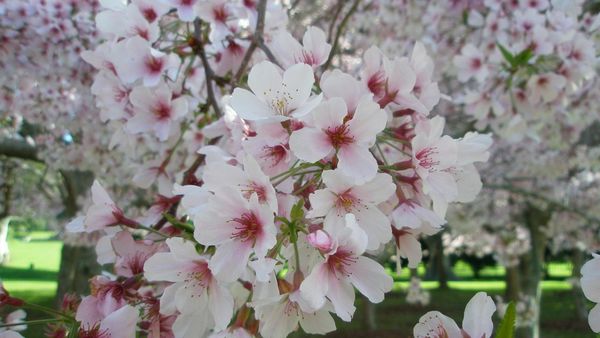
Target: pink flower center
259, 190
154, 65
248, 227
341, 261
162, 111
274, 154
142, 32
220, 13
346, 201
93, 332
291, 308
307, 58
339, 136
199, 276
424, 156
476, 63
235, 48
149, 14
376, 84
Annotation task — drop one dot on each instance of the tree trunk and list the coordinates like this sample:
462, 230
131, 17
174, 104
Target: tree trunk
513, 284
531, 268
438, 267
78, 262
370, 315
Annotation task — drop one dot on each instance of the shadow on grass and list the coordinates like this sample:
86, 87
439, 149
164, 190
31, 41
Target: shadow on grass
12, 273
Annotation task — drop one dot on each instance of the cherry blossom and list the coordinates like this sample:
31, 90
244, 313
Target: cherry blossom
589, 285
342, 267
477, 321
195, 288
348, 140
238, 227
275, 97
155, 110
342, 197
313, 51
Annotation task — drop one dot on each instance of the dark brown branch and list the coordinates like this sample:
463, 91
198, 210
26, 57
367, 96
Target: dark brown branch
189, 177
338, 34
208, 72
19, 149
336, 15
257, 42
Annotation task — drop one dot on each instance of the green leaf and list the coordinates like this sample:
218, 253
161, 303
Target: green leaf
507, 326
522, 58
297, 212
507, 54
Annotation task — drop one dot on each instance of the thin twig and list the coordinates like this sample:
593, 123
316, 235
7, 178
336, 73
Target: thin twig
257, 42
189, 177
208, 72
338, 34
338, 10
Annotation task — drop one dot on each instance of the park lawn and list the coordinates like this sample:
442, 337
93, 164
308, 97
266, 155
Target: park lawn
32, 273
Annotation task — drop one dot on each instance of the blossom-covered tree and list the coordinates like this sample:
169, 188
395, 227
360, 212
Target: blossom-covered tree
277, 168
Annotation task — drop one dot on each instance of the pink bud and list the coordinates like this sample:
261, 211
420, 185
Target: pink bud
320, 240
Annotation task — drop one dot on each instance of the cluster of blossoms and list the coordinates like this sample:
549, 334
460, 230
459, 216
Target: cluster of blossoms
477, 321
289, 178
12, 319
416, 294
43, 90
275, 187
590, 282
527, 72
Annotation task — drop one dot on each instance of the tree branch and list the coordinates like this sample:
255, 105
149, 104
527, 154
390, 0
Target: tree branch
19, 149
208, 72
338, 34
257, 42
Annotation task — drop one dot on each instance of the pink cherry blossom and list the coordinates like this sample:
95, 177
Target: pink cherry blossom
313, 51
135, 59
279, 317
349, 140
341, 197
471, 63
186, 9
590, 285
251, 180
131, 255
343, 267
477, 321
156, 110
275, 97
195, 287
103, 212
270, 147
238, 227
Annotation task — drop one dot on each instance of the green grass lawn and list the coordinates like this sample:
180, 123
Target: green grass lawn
32, 273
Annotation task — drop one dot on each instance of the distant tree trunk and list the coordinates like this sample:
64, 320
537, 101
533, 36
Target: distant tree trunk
513, 283
438, 267
531, 267
580, 302
78, 262
370, 316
